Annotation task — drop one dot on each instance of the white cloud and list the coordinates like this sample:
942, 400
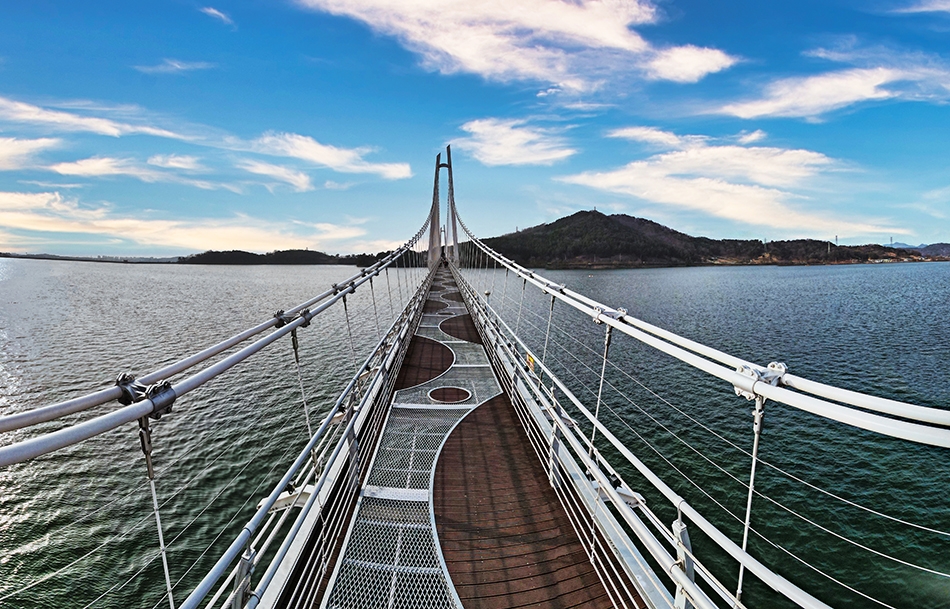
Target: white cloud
331, 185
875, 74
751, 185
344, 160
298, 179
751, 138
496, 141
107, 166
52, 213
553, 41
815, 95
16, 153
213, 12
334, 232
95, 167
175, 66
54, 185
688, 63
927, 6
21, 112
176, 161
652, 135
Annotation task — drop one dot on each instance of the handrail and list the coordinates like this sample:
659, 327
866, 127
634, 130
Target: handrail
238, 545
51, 412
690, 352
770, 578
46, 443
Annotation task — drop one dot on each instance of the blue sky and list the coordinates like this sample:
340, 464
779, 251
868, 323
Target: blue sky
163, 128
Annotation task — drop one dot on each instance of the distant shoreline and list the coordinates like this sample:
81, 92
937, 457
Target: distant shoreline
212, 258
106, 259
574, 265
585, 240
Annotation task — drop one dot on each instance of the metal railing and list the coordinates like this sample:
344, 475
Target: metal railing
326, 477
332, 454
755, 382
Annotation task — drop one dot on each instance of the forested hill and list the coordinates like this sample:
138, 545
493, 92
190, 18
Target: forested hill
279, 257
590, 239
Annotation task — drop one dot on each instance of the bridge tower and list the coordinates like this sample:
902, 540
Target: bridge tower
435, 226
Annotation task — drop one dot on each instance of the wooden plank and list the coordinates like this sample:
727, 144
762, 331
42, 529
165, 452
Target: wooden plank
506, 539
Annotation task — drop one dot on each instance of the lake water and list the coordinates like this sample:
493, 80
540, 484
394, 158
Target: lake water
83, 514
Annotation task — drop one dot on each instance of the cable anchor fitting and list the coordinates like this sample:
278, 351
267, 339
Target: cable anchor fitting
163, 397
771, 375
282, 318
132, 390
615, 314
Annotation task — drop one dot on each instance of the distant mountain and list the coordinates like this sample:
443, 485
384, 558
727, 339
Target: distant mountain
590, 239
934, 249
279, 257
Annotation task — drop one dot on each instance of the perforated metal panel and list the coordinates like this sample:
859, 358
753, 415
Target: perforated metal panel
391, 558
409, 446
480, 382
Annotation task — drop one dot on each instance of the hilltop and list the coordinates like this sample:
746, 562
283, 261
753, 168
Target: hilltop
590, 239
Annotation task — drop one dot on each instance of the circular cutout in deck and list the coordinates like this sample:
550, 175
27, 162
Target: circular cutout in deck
450, 394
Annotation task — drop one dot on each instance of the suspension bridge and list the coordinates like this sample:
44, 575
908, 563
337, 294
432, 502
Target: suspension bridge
479, 455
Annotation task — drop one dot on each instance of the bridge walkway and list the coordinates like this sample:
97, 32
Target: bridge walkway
457, 511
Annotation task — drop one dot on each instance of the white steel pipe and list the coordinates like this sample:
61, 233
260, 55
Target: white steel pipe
41, 445
54, 411
914, 432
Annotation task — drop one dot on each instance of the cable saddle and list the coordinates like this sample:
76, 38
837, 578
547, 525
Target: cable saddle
772, 375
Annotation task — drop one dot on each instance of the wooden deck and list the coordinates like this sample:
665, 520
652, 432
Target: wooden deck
505, 537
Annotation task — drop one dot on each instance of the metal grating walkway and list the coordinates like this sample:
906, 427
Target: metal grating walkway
391, 558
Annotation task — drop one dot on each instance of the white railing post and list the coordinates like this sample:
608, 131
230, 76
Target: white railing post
683, 551
242, 579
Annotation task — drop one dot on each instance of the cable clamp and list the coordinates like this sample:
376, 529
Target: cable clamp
162, 396
306, 315
132, 391
614, 314
282, 318
772, 375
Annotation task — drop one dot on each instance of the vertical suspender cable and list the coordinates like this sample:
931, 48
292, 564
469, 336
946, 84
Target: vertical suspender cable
757, 429
389, 288
145, 439
303, 394
504, 293
600, 389
547, 335
346, 313
379, 335
494, 271
524, 285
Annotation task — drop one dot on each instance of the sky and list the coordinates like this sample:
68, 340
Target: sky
154, 128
